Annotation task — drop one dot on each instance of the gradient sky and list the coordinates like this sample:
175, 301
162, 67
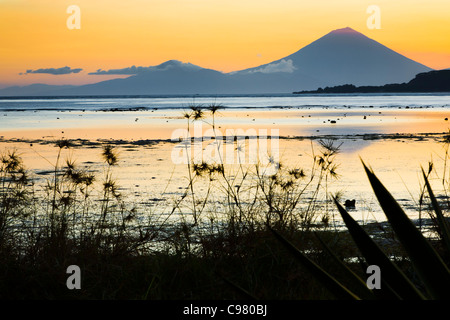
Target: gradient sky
225, 35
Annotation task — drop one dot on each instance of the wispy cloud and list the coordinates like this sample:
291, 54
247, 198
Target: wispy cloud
55, 71
282, 66
136, 70
130, 70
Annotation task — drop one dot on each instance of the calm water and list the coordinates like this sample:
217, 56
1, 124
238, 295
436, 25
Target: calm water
256, 101
26, 114
148, 172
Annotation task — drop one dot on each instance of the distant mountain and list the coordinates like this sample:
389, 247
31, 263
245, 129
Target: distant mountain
341, 56
32, 89
170, 77
347, 56
176, 77
433, 81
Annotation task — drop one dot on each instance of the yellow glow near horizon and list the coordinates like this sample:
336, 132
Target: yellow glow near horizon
224, 35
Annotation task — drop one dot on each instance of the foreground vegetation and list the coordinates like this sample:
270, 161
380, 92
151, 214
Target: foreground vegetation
250, 235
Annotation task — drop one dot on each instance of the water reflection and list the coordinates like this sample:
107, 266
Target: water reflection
146, 171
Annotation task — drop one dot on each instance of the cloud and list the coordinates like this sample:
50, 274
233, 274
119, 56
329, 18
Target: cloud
136, 70
129, 70
282, 66
57, 71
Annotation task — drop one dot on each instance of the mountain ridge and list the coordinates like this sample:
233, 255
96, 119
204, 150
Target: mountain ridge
336, 57
340, 56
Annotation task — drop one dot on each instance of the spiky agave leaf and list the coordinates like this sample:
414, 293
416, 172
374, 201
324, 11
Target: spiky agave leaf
238, 288
429, 265
329, 282
349, 275
392, 275
442, 223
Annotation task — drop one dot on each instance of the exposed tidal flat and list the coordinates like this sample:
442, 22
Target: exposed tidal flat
395, 134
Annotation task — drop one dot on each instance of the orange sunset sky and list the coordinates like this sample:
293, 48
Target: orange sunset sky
225, 35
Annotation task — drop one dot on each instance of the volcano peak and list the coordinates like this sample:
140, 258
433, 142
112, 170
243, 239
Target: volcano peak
346, 30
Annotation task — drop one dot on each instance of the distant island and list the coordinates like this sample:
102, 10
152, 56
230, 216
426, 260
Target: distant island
433, 81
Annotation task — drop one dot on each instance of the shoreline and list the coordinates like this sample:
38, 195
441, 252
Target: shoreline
396, 142
146, 171
161, 124
223, 95
98, 142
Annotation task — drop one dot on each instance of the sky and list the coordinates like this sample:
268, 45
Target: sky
39, 44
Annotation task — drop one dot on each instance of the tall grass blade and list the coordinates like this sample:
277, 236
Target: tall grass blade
238, 288
442, 223
375, 256
348, 274
329, 282
429, 265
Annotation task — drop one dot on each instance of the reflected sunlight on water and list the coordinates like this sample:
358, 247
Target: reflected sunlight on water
388, 138
147, 174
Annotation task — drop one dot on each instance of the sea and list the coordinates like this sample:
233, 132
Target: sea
111, 103
394, 133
